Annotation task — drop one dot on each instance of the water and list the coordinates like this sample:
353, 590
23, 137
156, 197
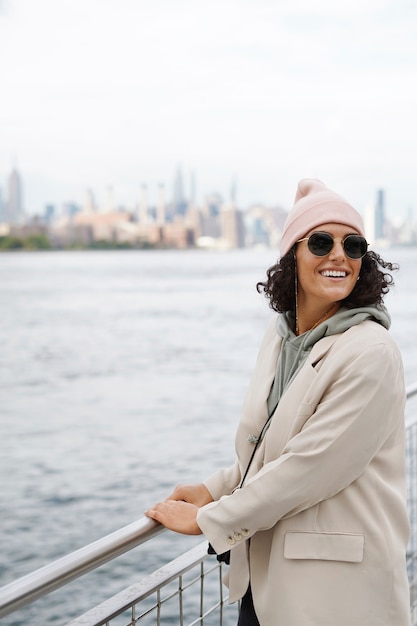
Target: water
122, 374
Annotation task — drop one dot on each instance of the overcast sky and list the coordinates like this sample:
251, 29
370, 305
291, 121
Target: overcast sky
99, 93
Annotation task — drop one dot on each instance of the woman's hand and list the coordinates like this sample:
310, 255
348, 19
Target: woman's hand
176, 515
194, 494
179, 511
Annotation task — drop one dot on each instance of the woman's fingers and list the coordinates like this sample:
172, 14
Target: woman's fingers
176, 515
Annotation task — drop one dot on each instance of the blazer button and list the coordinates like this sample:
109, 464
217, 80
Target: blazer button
231, 540
245, 532
237, 536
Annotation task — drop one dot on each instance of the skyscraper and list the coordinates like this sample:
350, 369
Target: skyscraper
110, 205
160, 207
178, 198
232, 226
15, 198
89, 203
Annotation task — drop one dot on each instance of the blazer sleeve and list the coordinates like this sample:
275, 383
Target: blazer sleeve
224, 481
357, 413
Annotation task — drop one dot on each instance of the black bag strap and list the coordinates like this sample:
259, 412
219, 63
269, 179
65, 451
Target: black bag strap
225, 556
257, 442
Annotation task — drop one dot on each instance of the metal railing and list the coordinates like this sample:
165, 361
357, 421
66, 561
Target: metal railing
166, 587
164, 595
411, 458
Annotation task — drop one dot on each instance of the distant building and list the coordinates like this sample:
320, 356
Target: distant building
49, 213
210, 222
110, 205
179, 202
15, 213
89, 203
160, 206
69, 209
142, 213
177, 234
256, 226
103, 225
264, 225
194, 221
213, 204
232, 227
376, 225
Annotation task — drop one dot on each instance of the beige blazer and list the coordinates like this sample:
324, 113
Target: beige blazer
324, 504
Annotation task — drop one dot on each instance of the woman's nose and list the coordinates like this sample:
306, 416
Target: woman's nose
338, 250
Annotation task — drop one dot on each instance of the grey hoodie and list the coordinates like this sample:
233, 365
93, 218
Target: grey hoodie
295, 349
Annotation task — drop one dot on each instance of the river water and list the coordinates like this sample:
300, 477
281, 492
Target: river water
122, 374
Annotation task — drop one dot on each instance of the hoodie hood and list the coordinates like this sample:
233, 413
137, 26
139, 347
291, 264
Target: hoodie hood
295, 349
339, 322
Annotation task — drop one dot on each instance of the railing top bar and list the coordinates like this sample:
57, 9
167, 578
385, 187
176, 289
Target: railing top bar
60, 572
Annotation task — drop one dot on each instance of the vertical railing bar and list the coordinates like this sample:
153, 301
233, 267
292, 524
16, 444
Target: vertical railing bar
180, 598
221, 593
410, 442
411, 505
202, 592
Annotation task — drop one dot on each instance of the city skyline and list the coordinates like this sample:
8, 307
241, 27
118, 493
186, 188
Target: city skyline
179, 193
173, 220
264, 92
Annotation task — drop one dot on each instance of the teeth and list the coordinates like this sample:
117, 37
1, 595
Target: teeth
333, 273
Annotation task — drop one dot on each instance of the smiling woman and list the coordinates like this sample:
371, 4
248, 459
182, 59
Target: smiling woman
371, 284
314, 510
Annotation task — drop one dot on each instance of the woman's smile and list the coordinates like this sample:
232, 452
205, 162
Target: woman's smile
333, 273
323, 280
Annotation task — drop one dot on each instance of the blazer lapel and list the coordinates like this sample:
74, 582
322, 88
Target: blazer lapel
289, 405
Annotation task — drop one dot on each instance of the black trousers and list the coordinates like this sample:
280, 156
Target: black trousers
247, 615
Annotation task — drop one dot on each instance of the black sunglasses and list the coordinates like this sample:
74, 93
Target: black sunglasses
320, 244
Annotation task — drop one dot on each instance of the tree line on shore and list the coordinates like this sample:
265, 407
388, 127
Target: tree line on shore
40, 241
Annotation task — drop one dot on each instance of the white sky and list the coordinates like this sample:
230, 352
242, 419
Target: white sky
99, 93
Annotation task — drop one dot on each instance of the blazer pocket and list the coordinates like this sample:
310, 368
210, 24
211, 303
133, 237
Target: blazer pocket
326, 546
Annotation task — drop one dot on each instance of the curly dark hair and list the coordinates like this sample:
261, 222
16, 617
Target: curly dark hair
372, 286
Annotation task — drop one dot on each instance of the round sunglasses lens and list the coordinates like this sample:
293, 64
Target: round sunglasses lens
355, 246
320, 244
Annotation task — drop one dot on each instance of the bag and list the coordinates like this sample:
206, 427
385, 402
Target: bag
224, 557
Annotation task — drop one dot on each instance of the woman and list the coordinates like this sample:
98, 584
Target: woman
316, 521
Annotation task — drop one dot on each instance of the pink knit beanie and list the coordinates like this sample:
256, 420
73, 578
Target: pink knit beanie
315, 205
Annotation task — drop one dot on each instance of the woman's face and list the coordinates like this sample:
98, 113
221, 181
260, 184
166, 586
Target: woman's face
323, 280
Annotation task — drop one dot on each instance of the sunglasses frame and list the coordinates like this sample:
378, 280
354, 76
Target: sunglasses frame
342, 241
